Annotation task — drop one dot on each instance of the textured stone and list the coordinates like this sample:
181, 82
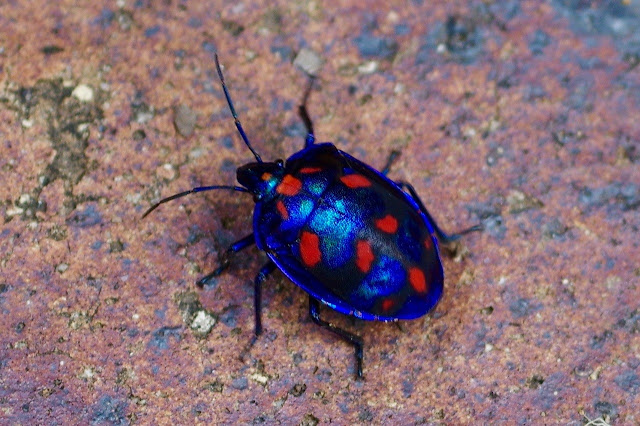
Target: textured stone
519, 115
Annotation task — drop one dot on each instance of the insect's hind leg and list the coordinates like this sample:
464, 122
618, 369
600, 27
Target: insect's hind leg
314, 313
225, 260
304, 114
442, 236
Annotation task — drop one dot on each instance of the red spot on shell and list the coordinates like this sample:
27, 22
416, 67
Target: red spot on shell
388, 224
310, 248
308, 170
364, 256
417, 280
266, 176
387, 304
355, 181
428, 244
282, 209
289, 186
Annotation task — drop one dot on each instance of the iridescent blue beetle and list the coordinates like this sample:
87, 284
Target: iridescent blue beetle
350, 237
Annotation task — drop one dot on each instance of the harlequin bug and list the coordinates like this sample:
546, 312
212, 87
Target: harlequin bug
350, 237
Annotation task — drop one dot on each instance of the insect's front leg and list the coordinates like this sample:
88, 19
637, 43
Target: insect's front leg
239, 245
304, 115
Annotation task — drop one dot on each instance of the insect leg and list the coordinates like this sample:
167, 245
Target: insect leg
392, 158
443, 237
314, 313
264, 272
304, 115
239, 245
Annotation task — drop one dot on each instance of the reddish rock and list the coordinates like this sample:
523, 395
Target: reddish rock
520, 115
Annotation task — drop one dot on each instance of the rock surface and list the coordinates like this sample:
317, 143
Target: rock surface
522, 115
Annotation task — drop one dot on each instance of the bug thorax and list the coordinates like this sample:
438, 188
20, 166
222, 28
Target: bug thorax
261, 179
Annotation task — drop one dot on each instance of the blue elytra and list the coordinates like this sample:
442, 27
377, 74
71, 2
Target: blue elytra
345, 233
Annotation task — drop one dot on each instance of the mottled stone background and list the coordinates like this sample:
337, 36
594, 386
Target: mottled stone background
522, 115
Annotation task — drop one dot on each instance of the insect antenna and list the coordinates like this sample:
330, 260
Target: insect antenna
192, 191
233, 112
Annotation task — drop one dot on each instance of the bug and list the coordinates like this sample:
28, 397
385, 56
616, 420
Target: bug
354, 240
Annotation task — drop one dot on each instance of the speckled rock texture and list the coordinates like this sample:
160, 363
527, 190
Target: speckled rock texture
521, 115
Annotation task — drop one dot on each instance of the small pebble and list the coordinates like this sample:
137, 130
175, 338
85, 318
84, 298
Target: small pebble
83, 93
184, 120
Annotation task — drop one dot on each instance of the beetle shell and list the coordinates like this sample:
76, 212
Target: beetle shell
349, 236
